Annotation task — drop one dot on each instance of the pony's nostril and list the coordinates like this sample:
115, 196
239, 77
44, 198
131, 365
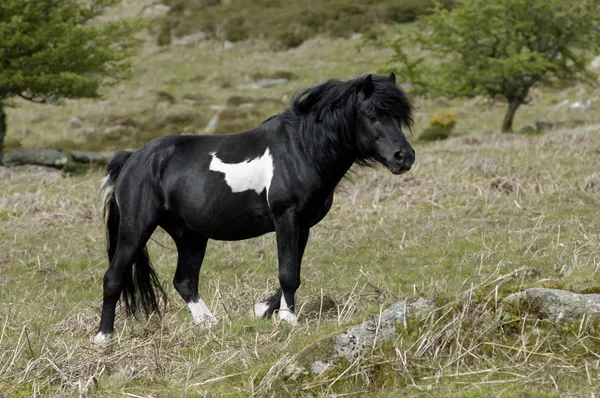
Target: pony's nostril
398, 157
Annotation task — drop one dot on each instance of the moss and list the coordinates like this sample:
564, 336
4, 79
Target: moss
320, 350
163, 96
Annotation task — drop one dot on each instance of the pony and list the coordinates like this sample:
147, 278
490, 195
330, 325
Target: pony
280, 176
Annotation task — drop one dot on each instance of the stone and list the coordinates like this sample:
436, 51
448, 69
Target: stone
119, 128
51, 157
266, 83
527, 130
554, 304
212, 123
100, 158
227, 45
155, 10
190, 40
76, 123
357, 340
595, 63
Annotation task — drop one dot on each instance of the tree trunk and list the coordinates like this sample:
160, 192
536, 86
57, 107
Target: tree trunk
2, 130
507, 123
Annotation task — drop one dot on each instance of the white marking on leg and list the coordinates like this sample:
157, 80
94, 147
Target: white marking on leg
101, 338
261, 308
285, 314
201, 313
255, 174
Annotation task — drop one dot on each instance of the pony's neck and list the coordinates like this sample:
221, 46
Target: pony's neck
331, 157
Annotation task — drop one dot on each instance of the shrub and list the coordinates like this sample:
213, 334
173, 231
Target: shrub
443, 119
440, 127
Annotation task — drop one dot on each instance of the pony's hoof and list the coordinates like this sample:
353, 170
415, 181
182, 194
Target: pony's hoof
288, 316
260, 309
102, 338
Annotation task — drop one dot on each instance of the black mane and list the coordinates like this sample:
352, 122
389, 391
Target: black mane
327, 114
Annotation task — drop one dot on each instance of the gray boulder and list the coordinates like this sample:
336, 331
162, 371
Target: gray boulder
190, 40
357, 340
266, 83
52, 157
91, 157
554, 304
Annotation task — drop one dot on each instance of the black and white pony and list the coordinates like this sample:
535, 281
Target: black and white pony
279, 177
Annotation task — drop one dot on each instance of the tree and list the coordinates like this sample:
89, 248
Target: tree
501, 48
56, 49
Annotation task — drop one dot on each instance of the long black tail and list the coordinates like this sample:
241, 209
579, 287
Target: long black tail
141, 286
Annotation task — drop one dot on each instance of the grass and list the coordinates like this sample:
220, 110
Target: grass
475, 208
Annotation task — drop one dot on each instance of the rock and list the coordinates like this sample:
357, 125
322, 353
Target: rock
194, 99
119, 128
76, 123
155, 10
227, 45
359, 339
190, 40
212, 123
595, 63
266, 83
91, 157
51, 157
556, 305
527, 130
421, 308
45, 173
581, 106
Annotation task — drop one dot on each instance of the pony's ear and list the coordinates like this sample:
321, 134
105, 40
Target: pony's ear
392, 78
367, 87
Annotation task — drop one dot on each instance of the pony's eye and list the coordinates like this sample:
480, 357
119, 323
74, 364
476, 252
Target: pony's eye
372, 118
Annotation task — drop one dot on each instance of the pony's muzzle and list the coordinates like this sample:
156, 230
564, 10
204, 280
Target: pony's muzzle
402, 161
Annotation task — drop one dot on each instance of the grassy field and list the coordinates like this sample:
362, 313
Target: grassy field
474, 209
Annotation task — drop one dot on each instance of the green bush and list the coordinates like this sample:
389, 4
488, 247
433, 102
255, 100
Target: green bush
435, 132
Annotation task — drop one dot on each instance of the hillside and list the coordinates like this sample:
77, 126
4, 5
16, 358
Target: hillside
475, 208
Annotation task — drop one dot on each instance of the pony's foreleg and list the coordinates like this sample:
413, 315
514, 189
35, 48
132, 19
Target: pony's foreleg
291, 241
190, 254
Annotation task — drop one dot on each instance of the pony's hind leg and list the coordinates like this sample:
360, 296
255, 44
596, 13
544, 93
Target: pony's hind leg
190, 254
132, 238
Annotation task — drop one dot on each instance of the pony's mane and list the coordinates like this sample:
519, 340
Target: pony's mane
328, 112
387, 97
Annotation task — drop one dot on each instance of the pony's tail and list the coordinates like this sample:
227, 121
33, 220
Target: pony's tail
141, 284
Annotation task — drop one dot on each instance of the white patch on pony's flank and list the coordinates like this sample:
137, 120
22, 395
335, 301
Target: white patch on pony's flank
261, 308
201, 313
255, 174
285, 314
101, 338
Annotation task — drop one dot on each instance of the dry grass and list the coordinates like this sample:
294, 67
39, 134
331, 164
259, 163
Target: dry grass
447, 230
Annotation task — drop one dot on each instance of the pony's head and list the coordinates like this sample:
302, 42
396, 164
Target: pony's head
383, 110
362, 118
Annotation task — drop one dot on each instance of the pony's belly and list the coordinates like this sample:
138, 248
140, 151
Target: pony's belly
243, 227
229, 221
